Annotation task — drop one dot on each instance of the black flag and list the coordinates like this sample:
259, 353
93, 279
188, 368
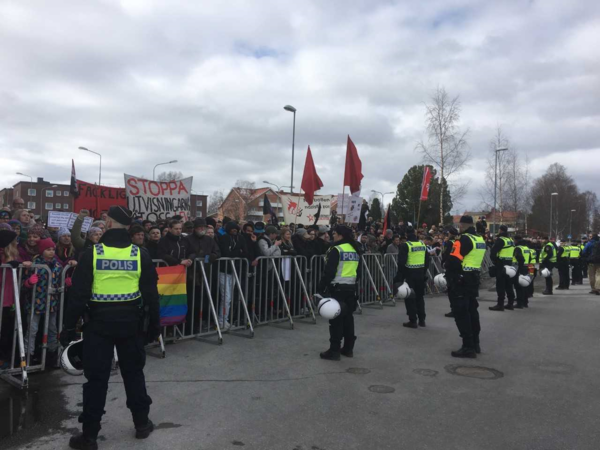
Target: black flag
318, 214
74, 190
268, 209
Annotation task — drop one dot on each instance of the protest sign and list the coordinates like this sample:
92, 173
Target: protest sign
158, 200
354, 205
297, 210
97, 199
61, 219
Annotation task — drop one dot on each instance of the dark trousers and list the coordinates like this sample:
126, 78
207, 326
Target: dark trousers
584, 270
521, 292
97, 360
576, 272
504, 285
342, 327
549, 281
415, 305
7, 329
465, 308
564, 280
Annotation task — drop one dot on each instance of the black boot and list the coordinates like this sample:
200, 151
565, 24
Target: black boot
83, 442
144, 431
497, 308
509, 307
348, 348
450, 314
477, 349
410, 324
330, 355
547, 293
465, 352
519, 306
422, 323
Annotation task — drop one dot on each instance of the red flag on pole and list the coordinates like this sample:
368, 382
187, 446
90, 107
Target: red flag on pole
310, 180
353, 174
426, 182
73, 189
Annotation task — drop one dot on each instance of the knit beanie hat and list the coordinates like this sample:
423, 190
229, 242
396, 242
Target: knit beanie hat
6, 237
45, 244
62, 232
5, 226
94, 230
301, 232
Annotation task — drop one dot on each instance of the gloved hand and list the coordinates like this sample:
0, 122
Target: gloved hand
14, 264
68, 282
33, 279
152, 334
67, 336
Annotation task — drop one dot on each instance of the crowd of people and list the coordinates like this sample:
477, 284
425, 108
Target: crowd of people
26, 241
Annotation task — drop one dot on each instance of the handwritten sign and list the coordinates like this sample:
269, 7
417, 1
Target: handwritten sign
296, 210
60, 219
156, 200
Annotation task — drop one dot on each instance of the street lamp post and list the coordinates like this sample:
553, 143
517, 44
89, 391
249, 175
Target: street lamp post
571, 223
383, 197
161, 164
290, 108
551, 197
100, 170
498, 149
42, 198
273, 184
30, 184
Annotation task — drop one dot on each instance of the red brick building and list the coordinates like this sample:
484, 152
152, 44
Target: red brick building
247, 204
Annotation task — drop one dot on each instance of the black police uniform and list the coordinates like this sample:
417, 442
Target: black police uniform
342, 327
504, 284
463, 289
564, 278
522, 269
416, 279
111, 325
545, 263
445, 254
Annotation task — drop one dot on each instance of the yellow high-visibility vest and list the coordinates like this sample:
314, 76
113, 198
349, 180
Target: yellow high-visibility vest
117, 274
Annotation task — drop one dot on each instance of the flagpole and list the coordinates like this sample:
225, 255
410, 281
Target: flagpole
297, 207
343, 196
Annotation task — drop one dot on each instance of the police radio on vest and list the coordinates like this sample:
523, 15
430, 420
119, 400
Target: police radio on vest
111, 264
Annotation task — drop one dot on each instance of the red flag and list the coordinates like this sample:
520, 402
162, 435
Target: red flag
386, 221
310, 180
426, 182
73, 190
353, 174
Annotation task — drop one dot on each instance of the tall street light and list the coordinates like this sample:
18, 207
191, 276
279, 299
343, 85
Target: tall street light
551, 197
290, 108
571, 223
161, 164
95, 153
273, 184
498, 150
30, 184
383, 196
41, 198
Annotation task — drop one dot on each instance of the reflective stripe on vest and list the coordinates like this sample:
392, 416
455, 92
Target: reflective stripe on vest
473, 260
526, 254
416, 255
116, 274
552, 252
508, 250
347, 266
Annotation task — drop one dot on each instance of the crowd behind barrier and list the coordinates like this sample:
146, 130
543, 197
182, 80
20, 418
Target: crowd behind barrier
226, 296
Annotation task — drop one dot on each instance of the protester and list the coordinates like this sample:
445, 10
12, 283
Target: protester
65, 252
28, 248
22, 215
153, 239
172, 248
231, 246
287, 247
394, 247
4, 216
138, 235
270, 242
251, 243
18, 203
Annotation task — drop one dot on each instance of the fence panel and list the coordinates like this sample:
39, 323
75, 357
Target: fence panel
275, 285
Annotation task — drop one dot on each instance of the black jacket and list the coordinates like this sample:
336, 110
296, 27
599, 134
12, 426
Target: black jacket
403, 271
152, 247
252, 250
173, 249
232, 246
331, 264
112, 318
201, 246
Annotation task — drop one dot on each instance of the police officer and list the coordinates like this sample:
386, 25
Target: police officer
463, 268
548, 261
563, 260
452, 236
342, 268
413, 261
522, 258
533, 269
114, 284
575, 254
502, 255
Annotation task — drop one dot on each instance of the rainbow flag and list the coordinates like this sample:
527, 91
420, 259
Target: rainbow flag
172, 293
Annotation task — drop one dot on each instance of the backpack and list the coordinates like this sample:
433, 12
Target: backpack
595, 256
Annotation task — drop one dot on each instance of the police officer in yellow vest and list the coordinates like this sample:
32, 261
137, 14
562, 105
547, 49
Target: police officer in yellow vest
413, 262
502, 255
463, 269
114, 287
522, 259
563, 257
548, 261
577, 272
342, 268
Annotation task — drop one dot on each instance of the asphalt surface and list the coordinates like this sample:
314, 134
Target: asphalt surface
535, 386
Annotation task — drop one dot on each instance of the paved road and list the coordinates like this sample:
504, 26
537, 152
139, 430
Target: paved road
273, 392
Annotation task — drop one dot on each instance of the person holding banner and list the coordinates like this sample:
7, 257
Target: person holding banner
114, 285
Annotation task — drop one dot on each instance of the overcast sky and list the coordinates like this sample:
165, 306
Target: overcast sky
205, 83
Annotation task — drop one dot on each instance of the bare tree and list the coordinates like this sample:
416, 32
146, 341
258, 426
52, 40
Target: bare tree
215, 201
446, 147
170, 176
591, 208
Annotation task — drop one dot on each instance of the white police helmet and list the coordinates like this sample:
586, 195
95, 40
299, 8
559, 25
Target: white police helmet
510, 271
524, 280
440, 281
71, 359
329, 308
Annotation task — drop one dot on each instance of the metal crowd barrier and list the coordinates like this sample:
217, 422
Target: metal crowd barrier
373, 286
15, 343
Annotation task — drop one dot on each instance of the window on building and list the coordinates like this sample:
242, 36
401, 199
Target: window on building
30, 205
66, 193
58, 193
48, 206
199, 214
65, 206
57, 205
31, 192
49, 193
198, 202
